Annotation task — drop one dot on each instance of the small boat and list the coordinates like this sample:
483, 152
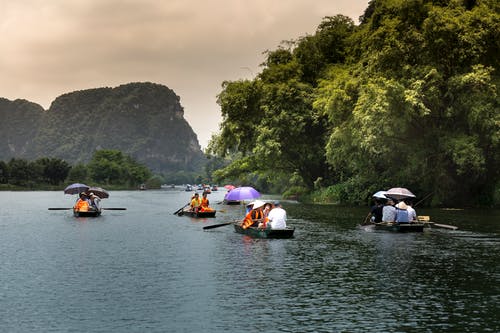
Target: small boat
200, 214
89, 213
265, 233
232, 202
400, 227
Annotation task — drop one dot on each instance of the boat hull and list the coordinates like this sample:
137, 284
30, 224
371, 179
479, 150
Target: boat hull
90, 213
198, 214
265, 233
400, 227
232, 202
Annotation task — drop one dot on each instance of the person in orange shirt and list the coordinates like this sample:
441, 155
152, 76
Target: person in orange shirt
204, 204
255, 215
82, 204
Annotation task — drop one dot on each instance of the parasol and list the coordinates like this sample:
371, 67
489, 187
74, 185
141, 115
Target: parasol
399, 193
99, 191
243, 193
75, 188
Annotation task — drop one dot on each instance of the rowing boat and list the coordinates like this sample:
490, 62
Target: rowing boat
400, 227
199, 214
89, 213
265, 233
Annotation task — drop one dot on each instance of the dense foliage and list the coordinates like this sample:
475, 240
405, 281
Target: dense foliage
106, 168
407, 98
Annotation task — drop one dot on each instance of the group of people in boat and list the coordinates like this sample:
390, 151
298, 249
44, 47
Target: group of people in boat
264, 215
390, 211
87, 202
200, 204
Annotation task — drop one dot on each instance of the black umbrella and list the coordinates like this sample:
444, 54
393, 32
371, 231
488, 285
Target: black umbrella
99, 191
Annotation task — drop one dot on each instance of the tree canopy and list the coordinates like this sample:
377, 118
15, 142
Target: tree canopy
407, 98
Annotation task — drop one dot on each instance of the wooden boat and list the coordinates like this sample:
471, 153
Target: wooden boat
90, 213
200, 214
265, 233
232, 202
400, 227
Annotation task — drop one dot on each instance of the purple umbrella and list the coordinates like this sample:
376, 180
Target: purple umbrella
75, 188
243, 193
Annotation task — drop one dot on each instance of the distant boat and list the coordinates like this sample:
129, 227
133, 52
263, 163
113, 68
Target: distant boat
142, 187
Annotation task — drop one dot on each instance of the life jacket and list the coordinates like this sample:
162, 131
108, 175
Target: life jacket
204, 203
248, 221
81, 206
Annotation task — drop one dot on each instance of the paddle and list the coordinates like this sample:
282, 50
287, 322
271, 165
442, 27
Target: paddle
216, 225
177, 212
60, 208
426, 219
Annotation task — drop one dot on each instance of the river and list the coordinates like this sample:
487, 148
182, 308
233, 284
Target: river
146, 270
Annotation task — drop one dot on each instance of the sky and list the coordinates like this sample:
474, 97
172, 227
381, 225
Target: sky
52, 47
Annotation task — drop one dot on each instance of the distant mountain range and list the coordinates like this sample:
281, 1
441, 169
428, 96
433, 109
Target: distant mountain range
143, 120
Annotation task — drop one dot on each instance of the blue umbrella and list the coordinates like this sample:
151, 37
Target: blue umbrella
242, 193
75, 188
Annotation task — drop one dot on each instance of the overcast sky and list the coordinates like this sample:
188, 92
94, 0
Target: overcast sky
51, 47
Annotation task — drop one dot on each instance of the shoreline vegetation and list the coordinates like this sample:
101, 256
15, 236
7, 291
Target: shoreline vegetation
407, 98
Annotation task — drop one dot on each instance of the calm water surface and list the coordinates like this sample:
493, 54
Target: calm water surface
146, 270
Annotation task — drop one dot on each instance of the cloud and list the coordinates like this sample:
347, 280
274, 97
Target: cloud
58, 46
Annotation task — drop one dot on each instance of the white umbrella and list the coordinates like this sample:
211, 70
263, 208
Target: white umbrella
399, 193
380, 195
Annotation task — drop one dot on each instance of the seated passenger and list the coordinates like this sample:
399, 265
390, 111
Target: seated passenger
204, 203
195, 203
95, 201
389, 212
254, 216
277, 217
82, 204
402, 213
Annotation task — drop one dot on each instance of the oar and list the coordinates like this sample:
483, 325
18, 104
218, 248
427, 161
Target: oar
216, 225
113, 208
445, 226
177, 212
60, 208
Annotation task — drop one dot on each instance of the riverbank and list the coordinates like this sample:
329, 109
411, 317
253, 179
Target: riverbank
341, 195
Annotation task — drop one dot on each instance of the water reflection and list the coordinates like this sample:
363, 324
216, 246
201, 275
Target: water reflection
148, 270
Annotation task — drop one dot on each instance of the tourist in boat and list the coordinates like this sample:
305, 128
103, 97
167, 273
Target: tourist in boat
376, 212
82, 204
389, 211
254, 216
277, 217
265, 219
195, 202
204, 203
95, 201
402, 213
412, 214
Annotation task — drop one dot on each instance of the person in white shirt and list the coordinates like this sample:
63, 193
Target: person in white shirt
412, 214
277, 217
